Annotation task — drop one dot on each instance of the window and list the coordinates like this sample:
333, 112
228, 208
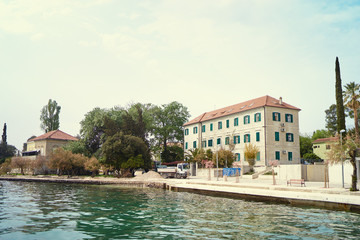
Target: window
186, 131
236, 139
210, 143
289, 118
203, 144
227, 123
219, 125
237, 157
203, 128
277, 136
246, 138
289, 137
227, 141
258, 156
277, 155
194, 144
258, 136
194, 130
211, 126
328, 147
290, 156
246, 119
236, 122
276, 116
218, 141
186, 145
257, 117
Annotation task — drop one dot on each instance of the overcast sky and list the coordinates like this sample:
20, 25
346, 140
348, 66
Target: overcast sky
203, 54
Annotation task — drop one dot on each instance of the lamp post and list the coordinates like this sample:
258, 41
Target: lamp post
341, 153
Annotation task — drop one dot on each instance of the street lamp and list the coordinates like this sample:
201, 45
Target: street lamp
341, 153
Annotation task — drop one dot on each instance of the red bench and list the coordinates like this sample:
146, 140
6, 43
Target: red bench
296, 181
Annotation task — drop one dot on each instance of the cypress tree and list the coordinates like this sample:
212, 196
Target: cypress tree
339, 99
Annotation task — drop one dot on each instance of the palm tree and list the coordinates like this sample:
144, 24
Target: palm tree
352, 101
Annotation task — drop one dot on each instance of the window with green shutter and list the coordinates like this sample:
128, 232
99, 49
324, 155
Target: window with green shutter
210, 143
237, 157
258, 156
289, 137
238, 139
227, 141
203, 144
195, 130
246, 138
219, 125
218, 141
289, 118
277, 136
186, 132
203, 128
227, 123
211, 126
194, 144
276, 116
186, 145
290, 156
257, 117
258, 136
247, 119
236, 122
277, 155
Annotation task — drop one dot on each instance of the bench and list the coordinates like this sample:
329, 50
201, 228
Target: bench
296, 181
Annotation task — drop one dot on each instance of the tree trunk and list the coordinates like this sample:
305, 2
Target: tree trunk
354, 175
356, 124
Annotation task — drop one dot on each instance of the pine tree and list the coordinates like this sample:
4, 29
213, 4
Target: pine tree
339, 99
3, 145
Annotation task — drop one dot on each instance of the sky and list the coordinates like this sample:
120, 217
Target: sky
204, 54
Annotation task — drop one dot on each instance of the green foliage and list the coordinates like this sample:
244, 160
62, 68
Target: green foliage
305, 145
92, 165
331, 119
5, 167
77, 147
6, 150
173, 153
169, 120
250, 154
311, 156
133, 162
225, 158
352, 102
339, 99
322, 133
119, 148
50, 116
67, 162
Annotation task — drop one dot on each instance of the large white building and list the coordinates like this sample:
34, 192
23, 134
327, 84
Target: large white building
269, 123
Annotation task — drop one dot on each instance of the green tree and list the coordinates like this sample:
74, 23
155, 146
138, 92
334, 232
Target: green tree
77, 147
50, 116
339, 99
352, 101
311, 156
225, 158
120, 148
338, 152
331, 119
305, 145
169, 120
250, 154
173, 153
321, 133
6, 150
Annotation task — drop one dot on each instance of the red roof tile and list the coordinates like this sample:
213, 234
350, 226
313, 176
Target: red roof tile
240, 107
56, 134
330, 139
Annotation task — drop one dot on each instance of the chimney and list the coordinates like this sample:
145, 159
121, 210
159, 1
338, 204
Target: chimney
280, 100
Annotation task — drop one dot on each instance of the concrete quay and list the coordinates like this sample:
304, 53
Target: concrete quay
313, 194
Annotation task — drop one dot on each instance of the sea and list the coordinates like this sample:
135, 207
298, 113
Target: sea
74, 211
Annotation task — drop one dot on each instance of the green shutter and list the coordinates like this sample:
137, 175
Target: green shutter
238, 139
249, 137
258, 156
274, 116
257, 136
211, 126
245, 138
279, 117
277, 137
186, 145
234, 139
290, 156
277, 155
259, 117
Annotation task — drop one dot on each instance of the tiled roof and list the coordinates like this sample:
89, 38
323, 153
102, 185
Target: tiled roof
241, 107
330, 139
56, 134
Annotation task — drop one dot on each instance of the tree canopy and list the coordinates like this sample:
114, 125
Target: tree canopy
50, 116
352, 101
340, 112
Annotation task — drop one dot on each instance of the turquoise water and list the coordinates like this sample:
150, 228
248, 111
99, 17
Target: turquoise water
58, 211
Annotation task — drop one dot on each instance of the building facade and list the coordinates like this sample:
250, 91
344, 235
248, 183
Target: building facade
270, 124
45, 144
322, 146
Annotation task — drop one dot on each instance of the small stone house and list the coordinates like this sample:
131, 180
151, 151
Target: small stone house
45, 144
